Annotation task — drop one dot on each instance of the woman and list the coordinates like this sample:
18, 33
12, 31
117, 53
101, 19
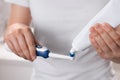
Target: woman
56, 24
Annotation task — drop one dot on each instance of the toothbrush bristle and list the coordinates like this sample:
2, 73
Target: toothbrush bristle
72, 54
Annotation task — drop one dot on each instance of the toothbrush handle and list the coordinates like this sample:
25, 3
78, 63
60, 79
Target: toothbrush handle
42, 51
45, 53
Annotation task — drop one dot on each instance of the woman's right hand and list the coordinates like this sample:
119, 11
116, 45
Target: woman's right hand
21, 41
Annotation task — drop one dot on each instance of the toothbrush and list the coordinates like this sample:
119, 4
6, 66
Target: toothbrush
109, 14
45, 53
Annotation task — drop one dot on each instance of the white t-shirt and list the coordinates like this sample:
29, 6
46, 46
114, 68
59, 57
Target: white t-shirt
57, 22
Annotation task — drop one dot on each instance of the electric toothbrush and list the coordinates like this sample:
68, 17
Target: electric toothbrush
45, 53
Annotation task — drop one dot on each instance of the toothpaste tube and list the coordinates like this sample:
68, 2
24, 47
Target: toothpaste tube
110, 14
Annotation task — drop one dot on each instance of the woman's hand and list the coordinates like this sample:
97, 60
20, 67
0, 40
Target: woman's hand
106, 40
21, 41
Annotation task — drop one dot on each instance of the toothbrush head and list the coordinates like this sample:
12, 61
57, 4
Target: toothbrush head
42, 51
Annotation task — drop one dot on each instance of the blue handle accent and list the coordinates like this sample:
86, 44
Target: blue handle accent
42, 52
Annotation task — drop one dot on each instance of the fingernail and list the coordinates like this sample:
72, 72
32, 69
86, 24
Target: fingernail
94, 34
92, 39
91, 36
92, 29
33, 57
98, 28
106, 28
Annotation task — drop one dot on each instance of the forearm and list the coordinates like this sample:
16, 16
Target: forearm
19, 14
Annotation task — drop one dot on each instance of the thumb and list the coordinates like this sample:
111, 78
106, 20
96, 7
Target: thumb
37, 42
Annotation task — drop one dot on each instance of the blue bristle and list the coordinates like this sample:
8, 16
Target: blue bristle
72, 54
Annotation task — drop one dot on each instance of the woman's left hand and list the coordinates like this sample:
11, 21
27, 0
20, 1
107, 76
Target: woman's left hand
106, 40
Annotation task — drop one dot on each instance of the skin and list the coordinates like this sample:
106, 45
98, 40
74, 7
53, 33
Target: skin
18, 35
106, 41
20, 39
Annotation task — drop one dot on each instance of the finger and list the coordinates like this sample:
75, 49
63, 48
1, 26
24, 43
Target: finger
37, 42
23, 46
11, 47
97, 47
112, 33
105, 36
99, 40
31, 43
106, 50
17, 47
115, 35
102, 45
